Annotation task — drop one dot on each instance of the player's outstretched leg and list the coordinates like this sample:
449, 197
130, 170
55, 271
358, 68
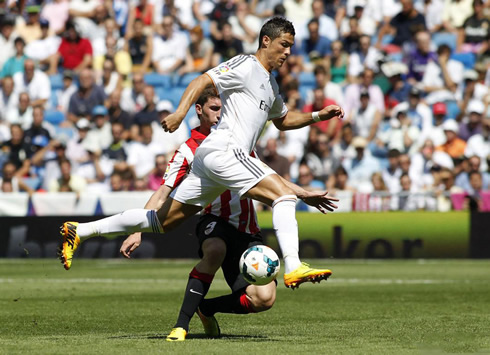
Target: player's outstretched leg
210, 325
70, 243
304, 273
177, 334
286, 227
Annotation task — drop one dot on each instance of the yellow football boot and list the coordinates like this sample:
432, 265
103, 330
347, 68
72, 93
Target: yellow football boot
71, 241
177, 334
304, 273
210, 324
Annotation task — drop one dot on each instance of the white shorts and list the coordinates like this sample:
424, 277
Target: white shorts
215, 171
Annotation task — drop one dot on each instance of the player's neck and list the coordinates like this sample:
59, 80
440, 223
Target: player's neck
262, 57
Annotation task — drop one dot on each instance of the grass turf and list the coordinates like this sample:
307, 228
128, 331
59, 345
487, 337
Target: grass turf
367, 307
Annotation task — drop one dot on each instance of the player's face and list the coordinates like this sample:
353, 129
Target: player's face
211, 112
280, 49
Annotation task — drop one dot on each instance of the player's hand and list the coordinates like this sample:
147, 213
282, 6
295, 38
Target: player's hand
130, 244
171, 122
331, 111
320, 201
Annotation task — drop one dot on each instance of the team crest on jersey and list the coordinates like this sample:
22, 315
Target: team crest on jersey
223, 68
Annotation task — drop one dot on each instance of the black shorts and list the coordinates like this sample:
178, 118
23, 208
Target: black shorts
211, 226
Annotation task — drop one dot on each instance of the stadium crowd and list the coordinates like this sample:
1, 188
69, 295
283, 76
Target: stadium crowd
84, 84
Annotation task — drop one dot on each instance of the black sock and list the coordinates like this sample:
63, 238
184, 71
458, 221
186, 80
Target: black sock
232, 303
197, 288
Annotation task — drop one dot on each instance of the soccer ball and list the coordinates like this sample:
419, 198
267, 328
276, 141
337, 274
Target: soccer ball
259, 265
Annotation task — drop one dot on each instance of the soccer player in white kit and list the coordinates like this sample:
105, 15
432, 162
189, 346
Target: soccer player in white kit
250, 96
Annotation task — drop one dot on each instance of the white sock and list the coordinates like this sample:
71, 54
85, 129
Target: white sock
128, 222
286, 228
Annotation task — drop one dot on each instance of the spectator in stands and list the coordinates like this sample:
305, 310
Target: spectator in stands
352, 33
408, 198
331, 127
435, 132
331, 90
315, 46
7, 38
140, 47
116, 152
298, 12
67, 182
169, 48
272, 158
338, 63
477, 187
445, 188
8, 99
99, 137
391, 174
423, 161
22, 113
86, 98
199, 53
43, 48
12, 182
292, 96
405, 163
320, 159
116, 182
454, 145
142, 11
463, 180
221, 13
117, 114
74, 52
479, 144
156, 176
443, 78
475, 30
112, 52
17, 151
353, 94
31, 29
15, 64
56, 13
65, 93
403, 26
266, 8
110, 79
379, 199
417, 110
75, 148
147, 115
141, 155
246, 27
227, 47
339, 181
39, 127
366, 118
91, 171
433, 11
132, 98
472, 124
420, 57
399, 88
361, 168
367, 13
327, 26
366, 56
33, 81
455, 13
343, 149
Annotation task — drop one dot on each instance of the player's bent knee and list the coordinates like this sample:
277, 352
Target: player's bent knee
262, 297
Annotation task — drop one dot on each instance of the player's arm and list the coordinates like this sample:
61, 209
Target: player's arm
319, 199
295, 120
191, 94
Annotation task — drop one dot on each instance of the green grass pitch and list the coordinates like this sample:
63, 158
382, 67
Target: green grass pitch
129, 306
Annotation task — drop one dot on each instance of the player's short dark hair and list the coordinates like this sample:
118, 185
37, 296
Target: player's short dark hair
275, 27
208, 93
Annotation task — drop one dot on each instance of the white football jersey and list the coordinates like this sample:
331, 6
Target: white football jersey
249, 96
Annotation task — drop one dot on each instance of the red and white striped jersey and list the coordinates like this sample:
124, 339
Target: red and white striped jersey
239, 213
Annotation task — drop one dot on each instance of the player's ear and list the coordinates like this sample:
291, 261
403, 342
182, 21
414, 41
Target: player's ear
266, 41
198, 109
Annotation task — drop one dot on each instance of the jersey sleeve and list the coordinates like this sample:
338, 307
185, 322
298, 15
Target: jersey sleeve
278, 109
176, 171
230, 75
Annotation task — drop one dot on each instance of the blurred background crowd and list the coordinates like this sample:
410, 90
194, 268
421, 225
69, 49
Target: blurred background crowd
84, 84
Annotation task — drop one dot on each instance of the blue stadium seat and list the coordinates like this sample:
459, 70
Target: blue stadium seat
54, 117
184, 80
396, 57
452, 109
307, 79
175, 95
303, 91
440, 38
33, 182
56, 82
468, 59
158, 80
